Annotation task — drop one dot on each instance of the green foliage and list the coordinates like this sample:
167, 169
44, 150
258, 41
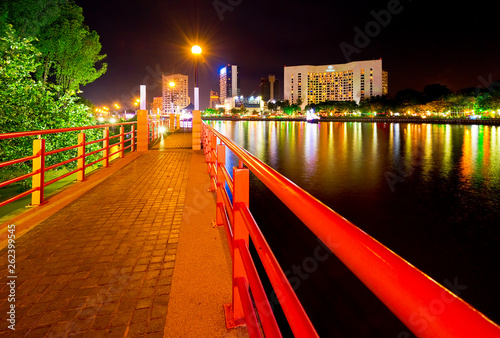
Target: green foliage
334, 107
69, 50
26, 104
212, 111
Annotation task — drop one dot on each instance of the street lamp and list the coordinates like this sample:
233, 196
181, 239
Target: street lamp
196, 50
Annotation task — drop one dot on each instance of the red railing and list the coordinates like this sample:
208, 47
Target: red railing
39, 155
424, 306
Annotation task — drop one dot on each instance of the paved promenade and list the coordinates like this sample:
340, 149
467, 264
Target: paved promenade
135, 256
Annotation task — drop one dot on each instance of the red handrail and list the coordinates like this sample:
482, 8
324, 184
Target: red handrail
82, 145
61, 130
404, 289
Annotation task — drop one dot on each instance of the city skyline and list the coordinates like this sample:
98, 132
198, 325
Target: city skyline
420, 42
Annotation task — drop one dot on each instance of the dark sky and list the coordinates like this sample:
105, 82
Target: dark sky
421, 42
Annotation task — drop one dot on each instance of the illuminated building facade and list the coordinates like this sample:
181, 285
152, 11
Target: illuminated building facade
229, 82
353, 81
214, 99
174, 93
157, 106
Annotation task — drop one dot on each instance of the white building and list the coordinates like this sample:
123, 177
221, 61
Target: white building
174, 93
229, 82
353, 81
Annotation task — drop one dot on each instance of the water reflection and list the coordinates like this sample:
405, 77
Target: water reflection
429, 192
342, 153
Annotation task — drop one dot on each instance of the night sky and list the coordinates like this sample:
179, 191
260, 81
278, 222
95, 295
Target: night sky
420, 42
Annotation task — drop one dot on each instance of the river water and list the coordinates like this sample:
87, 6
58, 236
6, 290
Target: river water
429, 192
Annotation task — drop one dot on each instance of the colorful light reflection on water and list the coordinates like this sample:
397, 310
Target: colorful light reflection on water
429, 192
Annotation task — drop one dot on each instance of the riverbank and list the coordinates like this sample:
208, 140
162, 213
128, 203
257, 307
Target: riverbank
362, 119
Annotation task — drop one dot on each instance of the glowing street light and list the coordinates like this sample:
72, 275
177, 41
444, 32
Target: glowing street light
196, 50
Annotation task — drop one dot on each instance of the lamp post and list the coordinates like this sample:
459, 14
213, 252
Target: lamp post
196, 129
196, 50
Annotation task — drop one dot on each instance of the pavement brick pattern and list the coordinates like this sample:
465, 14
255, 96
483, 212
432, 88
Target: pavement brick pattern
103, 265
181, 139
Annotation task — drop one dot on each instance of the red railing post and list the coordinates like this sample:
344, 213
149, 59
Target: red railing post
39, 167
221, 162
213, 161
80, 176
122, 141
132, 139
235, 312
105, 147
207, 150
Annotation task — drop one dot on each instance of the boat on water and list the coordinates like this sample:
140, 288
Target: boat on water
311, 116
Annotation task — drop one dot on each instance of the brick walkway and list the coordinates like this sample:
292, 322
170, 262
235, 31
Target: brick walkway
182, 139
103, 265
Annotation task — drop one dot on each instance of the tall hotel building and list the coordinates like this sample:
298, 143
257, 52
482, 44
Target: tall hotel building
229, 82
353, 81
175, 96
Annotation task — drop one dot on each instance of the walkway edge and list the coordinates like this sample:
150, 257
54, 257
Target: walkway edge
201, 283
32, 217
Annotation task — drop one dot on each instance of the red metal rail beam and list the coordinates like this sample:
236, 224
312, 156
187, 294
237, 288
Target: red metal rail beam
61, 130
81, 146
404, 289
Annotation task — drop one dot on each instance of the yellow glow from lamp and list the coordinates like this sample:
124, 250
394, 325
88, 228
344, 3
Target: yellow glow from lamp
196, 50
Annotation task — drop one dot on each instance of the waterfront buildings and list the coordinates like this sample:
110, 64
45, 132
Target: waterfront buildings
252, 105
175, 93
269, 88
214, 100
157, 106
353, 81
229, 82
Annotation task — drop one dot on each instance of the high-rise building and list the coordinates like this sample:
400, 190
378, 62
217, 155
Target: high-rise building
353, 81
157, 106
229, 82
214, 99
175, 93
269, 88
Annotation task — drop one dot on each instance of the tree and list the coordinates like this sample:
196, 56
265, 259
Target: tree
69, 50
26, 104
407, 97
76, 52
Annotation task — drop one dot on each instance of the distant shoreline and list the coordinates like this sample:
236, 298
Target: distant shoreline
364, 119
